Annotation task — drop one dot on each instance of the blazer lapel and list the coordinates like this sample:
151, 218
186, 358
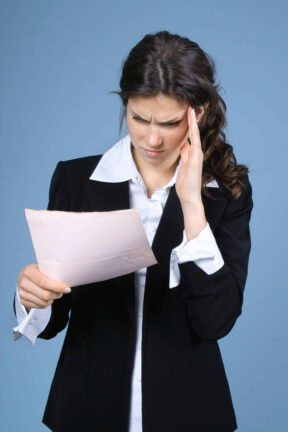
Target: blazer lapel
107, 196
168, 235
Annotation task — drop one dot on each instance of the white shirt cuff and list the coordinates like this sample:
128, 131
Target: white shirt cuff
30, 324
202, 250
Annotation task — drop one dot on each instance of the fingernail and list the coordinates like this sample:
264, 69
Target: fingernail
67, 290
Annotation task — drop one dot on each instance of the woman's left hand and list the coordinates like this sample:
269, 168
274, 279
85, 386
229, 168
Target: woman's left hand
189, 180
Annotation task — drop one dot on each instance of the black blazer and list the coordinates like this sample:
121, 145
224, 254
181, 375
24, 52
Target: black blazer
184, 386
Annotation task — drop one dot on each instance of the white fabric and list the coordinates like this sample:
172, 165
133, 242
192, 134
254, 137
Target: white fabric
117, 165
32, 324
203, 250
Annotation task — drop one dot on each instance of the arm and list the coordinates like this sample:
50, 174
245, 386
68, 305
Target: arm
213, 300
47, 302
58, 200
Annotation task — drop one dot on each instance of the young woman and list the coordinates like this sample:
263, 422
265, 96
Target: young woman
141, 351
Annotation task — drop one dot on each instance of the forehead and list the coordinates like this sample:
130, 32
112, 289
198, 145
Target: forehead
159, 107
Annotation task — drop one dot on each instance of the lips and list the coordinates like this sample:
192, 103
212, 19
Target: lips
153, 152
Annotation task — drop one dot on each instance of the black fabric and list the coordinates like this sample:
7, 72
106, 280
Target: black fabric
184, 386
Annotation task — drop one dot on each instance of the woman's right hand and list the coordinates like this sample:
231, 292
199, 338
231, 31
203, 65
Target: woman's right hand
37, 290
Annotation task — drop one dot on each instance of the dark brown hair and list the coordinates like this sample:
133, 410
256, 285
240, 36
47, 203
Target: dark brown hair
175, 66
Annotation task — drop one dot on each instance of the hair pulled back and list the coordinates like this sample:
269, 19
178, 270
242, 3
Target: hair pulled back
175, 66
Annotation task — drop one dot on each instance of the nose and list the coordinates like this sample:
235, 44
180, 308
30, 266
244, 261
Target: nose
154, 138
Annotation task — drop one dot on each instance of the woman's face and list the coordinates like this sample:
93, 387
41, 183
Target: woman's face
158, 127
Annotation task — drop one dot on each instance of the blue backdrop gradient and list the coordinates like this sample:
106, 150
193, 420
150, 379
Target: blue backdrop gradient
59, 60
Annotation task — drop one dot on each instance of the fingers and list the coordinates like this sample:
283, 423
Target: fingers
33, 274
194, 133
29, 286
29, 300
37, 290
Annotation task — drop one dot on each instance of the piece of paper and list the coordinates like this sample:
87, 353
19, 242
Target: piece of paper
81, 248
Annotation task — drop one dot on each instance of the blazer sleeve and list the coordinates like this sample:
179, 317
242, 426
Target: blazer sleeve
58, 200
214, 301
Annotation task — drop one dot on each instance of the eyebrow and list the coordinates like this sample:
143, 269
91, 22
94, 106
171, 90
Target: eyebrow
173, 120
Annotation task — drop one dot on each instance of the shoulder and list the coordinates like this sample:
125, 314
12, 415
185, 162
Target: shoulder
68, 179
81, 166
221, 192
75, 170
246, 187
244, 203
220, 204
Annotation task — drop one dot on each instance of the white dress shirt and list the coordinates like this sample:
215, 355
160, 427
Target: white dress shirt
117, 165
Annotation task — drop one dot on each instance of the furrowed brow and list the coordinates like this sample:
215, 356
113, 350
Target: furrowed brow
133, 114
174, 120
161, 123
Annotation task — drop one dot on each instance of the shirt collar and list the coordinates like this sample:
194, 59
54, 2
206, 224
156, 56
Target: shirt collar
117, 165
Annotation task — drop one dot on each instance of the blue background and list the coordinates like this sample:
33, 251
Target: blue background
59, 60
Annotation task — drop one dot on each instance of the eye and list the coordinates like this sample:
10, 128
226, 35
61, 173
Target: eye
171, 124
139, 119
166, 124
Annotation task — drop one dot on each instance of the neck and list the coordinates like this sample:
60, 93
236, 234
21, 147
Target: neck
155, 176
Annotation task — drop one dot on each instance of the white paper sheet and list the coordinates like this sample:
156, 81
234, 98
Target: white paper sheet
80, 248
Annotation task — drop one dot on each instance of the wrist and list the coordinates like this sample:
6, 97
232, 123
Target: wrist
194, 206
194, 219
